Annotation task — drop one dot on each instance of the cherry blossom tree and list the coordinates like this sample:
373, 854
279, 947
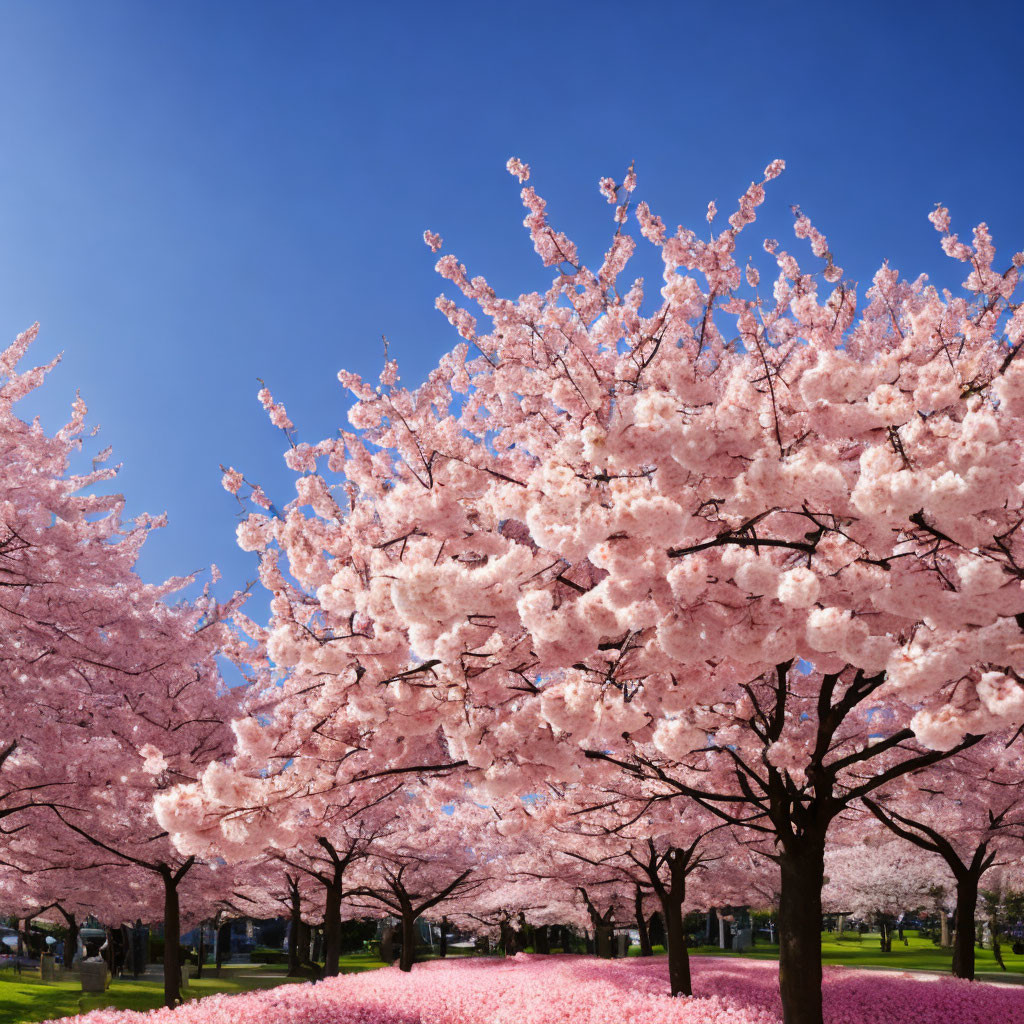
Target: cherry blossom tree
110, 686
53, 869
71, 608
267, 887
316, 814
528, 894
423, 861
622, 842
969, 811
879, 880
520, 894
756, 547
113, 814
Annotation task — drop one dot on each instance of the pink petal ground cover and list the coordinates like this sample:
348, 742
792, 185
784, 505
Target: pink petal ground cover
585, 990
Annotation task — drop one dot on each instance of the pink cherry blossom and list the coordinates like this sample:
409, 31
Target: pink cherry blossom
518, 169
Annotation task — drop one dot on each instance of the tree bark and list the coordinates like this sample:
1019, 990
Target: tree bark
885, 933
641, 925
656, 929
294, 930
128, 958
202, 949
997, 951
675, 938
506, 939
603, 927
444, 938
802, 863
71, 944
172, 940
223, 943
332, 930
408, 957
963, 941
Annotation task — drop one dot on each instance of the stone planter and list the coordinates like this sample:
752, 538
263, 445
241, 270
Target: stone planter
94, 975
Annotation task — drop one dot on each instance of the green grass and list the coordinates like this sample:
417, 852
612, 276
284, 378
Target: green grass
353, 963
25, 998
919, 954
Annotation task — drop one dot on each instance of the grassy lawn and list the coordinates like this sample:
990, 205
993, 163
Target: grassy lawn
917, 955
25, 998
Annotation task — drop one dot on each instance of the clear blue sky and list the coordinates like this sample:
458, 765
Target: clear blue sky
197, 194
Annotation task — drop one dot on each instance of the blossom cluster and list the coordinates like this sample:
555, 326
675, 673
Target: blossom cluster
528, 989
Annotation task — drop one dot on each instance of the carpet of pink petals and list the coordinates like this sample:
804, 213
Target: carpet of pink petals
585, 990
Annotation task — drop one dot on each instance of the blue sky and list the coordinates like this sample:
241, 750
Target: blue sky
196, 194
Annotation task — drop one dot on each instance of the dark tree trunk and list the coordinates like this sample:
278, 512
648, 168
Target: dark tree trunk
656, 929
223, 943
885, 933
603, 925
71, 945
332, 930
541, 939
172, 940
802, 863
106, 951
317, 945
963, 941
641, 925
444, 937
408, 957
678, 954
128, 959
294, 931
997, 952
140, 948
202, 949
